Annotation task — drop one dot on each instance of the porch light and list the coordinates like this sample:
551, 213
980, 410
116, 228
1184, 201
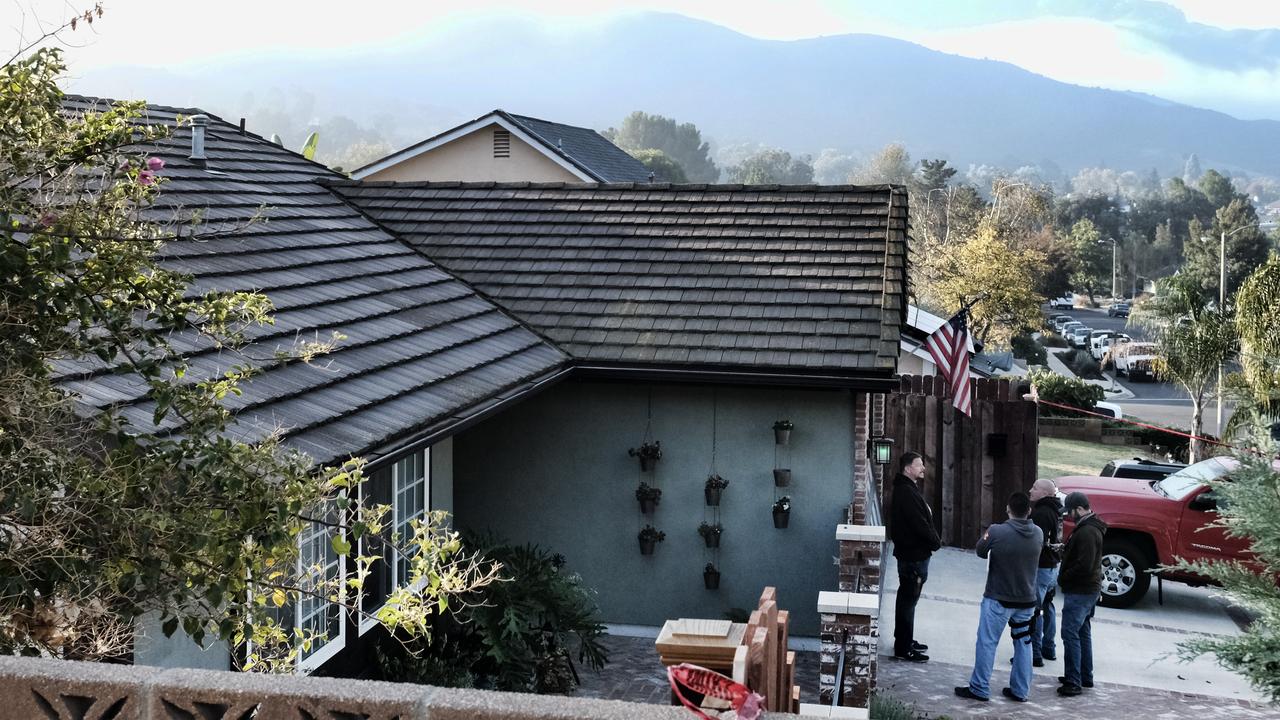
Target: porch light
880, 450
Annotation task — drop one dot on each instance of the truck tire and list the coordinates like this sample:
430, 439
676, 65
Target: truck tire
1124, 573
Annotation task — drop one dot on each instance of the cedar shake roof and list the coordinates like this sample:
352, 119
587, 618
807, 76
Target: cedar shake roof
422, 350
785, 279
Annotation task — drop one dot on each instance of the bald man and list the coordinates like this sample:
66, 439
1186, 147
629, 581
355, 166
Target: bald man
1046, 513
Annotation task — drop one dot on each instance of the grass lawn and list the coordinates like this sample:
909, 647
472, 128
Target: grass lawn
1060, 457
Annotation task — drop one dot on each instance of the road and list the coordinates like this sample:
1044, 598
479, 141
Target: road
1159, 403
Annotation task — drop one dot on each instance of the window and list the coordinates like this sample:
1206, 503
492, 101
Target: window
502, 143
409, 483
319, 569
404, 485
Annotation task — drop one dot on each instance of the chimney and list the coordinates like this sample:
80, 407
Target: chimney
199, 123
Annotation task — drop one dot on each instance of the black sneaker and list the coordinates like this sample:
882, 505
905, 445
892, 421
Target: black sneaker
1050, 657
1037, 663
1069, 690
1008, 692
1063, 680
964, 692
919, 646
912, 656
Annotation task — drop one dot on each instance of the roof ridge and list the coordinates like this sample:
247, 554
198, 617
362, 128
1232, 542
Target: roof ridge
581, 187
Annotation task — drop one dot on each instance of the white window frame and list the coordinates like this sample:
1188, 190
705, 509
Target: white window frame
399, 519
322, 536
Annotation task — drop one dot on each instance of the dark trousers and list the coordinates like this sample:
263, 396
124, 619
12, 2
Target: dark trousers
911, 579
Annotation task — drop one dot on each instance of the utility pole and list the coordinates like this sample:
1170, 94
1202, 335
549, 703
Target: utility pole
1115, 249
1222, 308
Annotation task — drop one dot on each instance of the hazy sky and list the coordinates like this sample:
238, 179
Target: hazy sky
1221, 54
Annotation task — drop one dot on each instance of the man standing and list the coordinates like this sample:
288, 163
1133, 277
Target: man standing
914, 540
1046, 513
1013, 549
1081, 581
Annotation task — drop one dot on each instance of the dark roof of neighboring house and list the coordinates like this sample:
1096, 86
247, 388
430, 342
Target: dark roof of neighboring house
798, 279
583, 148
422, 350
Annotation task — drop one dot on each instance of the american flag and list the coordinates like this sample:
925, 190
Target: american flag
949, 346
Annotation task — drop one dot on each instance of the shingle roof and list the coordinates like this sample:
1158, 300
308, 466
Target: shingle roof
585, 148
582, 148
773, 278
422, 350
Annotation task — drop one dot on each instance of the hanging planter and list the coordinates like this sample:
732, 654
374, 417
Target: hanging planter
649, 454
711, 577
711, 534
649, 497
782, 432
781, 477
711, 491
782, 512
649, 538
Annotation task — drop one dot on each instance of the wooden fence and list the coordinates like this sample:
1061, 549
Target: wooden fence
972, 464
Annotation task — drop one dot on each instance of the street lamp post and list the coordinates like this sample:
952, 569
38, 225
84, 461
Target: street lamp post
1222, 300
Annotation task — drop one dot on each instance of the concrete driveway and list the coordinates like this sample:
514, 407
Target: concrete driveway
1134, 647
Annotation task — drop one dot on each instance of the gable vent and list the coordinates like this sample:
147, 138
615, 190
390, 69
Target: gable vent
502, 143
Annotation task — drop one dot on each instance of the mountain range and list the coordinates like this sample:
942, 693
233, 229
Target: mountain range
854, 93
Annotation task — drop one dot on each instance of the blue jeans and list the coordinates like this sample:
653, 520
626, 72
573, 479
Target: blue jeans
1077, 637
1043, 644
911, 579
991, 625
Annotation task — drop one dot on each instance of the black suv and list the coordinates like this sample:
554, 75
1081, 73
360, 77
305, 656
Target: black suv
1140, 468
1120, 310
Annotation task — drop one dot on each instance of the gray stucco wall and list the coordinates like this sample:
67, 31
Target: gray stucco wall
555, 471
442, 475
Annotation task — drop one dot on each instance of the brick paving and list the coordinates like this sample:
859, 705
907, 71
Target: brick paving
634, 674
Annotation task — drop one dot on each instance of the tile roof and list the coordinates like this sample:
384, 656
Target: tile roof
422, 350
806, 279
585, 148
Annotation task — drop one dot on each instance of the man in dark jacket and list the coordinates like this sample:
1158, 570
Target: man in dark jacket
1081, 581
1013, 549
914, 540
1046, 513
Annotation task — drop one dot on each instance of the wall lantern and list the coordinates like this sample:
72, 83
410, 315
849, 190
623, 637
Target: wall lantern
880, 450
997, 444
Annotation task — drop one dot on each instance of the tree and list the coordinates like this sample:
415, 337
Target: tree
664, 168
1248, 507
101, 521
682, 142
772, 166
891, 165
1217, 189
935, 175
1091, 258
1191, 171
1193, 340
1002, 280
1257, 387
833, 167
1246, 247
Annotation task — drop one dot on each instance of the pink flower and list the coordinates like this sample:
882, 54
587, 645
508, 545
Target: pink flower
154, 164
146, 177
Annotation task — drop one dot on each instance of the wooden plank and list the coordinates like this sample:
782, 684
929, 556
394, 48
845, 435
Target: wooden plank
967, 486
987, 468
795, 700
769, 610
756, 673
769, 594
785, 678
933, 460
948, 469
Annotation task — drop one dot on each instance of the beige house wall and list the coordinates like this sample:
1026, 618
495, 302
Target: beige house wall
470, 159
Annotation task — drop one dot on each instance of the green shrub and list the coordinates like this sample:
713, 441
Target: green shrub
1082, 364
1052, 340
514, 635
1029, 349
885, 707
1064, 390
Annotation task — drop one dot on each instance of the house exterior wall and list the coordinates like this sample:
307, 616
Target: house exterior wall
555, 471
470, 159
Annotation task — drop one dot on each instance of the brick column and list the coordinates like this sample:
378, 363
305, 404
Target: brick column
854, 617
860, 548
861, 434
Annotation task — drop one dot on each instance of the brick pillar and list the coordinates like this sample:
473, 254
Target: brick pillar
860, 549
877, 430
861, 434
855, 618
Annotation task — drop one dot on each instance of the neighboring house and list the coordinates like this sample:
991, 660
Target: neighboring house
506, 344
914, 357
502, 147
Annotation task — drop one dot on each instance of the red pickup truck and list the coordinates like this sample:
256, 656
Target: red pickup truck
1152, 522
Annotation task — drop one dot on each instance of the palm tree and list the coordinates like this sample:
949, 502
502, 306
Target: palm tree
1193, 339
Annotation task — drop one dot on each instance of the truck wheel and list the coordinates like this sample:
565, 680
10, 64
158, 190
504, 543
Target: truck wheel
1124, 573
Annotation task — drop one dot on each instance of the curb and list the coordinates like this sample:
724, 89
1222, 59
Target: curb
1059, 367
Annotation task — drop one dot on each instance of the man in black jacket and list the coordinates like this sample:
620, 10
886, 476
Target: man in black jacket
1046, 513
1081, 581
914, 540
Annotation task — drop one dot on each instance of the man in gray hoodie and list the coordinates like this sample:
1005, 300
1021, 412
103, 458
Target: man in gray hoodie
1013, 551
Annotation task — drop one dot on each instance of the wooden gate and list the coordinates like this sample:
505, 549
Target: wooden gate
972, 464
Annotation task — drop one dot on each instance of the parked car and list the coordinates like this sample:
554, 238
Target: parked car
1079, 337
1120, 309
1069, 327
1109, 409
1054, 316
1151, 523
1060, 322
1065, 301
1141, 468
1135, 360
1100, 340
